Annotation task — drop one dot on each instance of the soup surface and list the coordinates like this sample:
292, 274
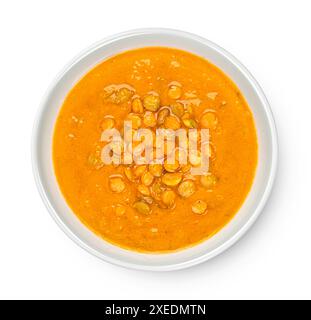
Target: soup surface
160, 206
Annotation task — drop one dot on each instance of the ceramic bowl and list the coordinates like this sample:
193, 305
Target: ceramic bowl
42, 150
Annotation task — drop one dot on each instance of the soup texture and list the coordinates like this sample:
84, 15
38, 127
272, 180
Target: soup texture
160, 206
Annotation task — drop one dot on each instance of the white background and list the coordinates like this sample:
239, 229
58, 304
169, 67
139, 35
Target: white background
272, 38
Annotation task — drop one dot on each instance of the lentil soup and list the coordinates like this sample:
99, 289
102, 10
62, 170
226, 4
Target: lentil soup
156, 207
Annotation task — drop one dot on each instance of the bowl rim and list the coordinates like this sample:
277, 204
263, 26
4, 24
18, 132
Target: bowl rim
274, 149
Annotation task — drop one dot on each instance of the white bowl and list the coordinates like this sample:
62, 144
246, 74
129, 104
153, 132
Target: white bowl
42, 150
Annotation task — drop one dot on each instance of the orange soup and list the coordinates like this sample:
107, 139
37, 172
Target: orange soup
158, 206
